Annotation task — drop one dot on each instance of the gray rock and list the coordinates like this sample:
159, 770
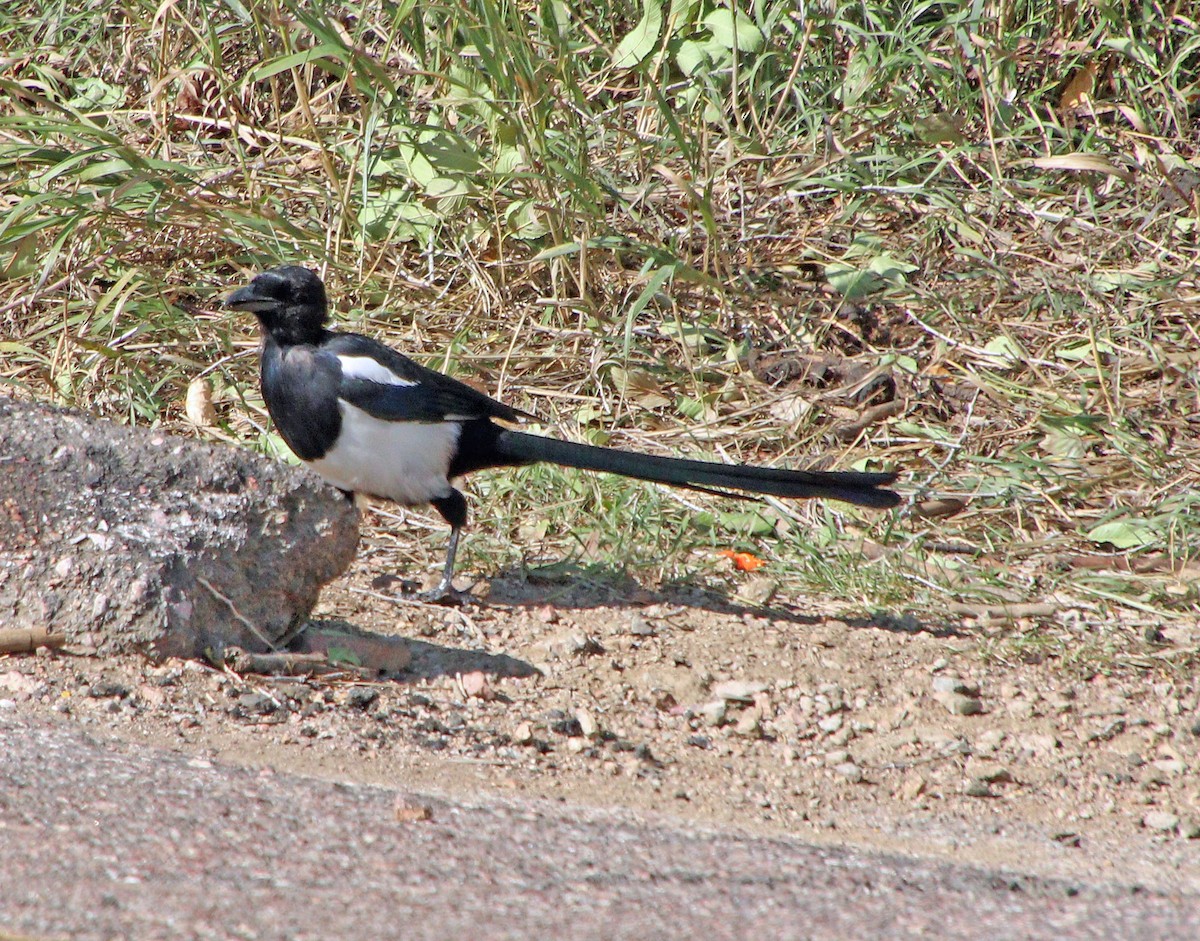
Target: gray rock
128, 539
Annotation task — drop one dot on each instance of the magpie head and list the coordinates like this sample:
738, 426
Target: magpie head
288, 301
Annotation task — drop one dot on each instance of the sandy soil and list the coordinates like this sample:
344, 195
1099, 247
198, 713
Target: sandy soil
834, 727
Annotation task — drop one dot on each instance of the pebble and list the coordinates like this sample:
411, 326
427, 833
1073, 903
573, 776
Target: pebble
839, 757
1189, 829
1021, 709
912, 787
850, 771
830, 724
1160, 820
993, 774
953, 684
1106, 732
978, 787
738, 690
959, 704
749, 724
587, 723
360, 697
713, 713
523, 733
475, 685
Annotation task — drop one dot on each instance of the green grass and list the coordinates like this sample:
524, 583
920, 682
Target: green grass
644, 226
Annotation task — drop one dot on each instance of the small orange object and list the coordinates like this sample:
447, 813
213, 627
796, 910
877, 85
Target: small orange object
743, 561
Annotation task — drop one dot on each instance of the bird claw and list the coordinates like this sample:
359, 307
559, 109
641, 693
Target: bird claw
446, 595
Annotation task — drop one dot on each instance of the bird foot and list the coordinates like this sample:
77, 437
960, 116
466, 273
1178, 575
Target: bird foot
447, 595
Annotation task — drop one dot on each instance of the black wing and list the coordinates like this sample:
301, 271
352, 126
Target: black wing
418, 394
300, 387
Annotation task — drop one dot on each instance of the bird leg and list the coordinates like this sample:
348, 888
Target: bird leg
445, 593
454, 511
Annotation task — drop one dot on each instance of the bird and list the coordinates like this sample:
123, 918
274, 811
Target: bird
370, 420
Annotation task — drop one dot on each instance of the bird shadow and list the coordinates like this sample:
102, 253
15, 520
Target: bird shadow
573, 586
403, 658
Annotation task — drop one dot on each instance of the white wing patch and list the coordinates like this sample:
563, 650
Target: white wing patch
402, 461
363, 367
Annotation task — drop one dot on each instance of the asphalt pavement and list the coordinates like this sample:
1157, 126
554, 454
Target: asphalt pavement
100, 839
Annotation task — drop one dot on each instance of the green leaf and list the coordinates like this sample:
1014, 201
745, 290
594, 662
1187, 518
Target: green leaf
939, 128
933, 433
693, 55
1124, 534
392, 214
95, 94
734, 32
850, 281
891, 269
524, 221
343, 655
1003, 350
1082, 352
296, 59
747, 522
642, 39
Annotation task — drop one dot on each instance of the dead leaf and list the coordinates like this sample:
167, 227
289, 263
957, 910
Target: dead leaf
938, 508
198, 406
1091, 163
1080, 88
743, 561
411, 810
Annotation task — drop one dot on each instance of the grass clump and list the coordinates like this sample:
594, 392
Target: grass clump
962, 239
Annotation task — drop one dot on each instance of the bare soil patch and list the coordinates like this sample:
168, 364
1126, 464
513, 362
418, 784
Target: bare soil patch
935, 736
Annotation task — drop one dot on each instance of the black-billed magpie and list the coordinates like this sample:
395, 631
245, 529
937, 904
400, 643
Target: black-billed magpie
371, 420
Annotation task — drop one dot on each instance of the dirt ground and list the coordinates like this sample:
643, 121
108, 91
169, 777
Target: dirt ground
934, 737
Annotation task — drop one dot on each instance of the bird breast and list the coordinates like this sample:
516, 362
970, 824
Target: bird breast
401, 461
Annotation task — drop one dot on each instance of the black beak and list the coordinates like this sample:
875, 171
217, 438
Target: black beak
248, 298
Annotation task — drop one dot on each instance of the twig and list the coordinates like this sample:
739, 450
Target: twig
1007, 612
250, 626
29, 639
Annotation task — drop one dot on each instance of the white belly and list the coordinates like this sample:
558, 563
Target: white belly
402, 462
